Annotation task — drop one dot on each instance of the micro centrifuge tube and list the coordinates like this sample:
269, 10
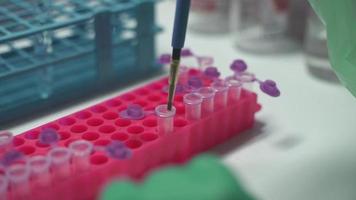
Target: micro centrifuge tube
19, 179
234, 92
81, 150
40, 170
60, 158
221, 93
207, 94
3, 187
192, 103
247, 80
165, 119
6, 139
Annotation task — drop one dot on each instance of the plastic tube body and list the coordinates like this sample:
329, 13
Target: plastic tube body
207, 94
60, 158
6, 139
165, 119
40, 171
3, 187
234, 90
192, 104
81, 151
19, 179
221, 94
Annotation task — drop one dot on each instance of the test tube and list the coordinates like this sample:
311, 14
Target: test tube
247, 80
207, 94
234, 91
3, 187
192, 103
40, 171
81, 150
221, 92
60, 160
5, 141
19, 179
165, 119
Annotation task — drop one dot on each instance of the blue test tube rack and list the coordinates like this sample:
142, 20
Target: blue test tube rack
53, 51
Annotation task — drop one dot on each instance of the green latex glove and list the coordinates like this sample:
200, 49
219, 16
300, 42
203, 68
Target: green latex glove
339, 17
203, 179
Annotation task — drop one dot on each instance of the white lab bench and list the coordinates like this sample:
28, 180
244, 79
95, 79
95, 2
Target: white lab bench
303, 144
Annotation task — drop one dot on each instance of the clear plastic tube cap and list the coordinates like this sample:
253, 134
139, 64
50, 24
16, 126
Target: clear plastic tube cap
162, 111
233, 83
18, 173
81, 148
60, 155
206, 92
220, 85
40, 164
192, 99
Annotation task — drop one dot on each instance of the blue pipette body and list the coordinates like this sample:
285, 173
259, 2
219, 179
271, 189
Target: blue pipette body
180, 23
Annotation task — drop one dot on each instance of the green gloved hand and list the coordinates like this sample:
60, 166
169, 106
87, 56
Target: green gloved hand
339, 17
203, 179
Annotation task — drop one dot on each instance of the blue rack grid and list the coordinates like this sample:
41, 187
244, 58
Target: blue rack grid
57, 50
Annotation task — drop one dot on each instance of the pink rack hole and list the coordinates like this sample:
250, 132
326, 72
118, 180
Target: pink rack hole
98, 109
141, 103
68, 121
17, 141
90, 136
113, 103
83, 115
102, 142
32, 135
68, 142
52, 126
142, 92
110, 115
27, 150
120, 136
78, 128
178, 98
151, 122
39, 144
128, 97
180, 122
154, 98
122, 108
180, 108
123, 122
95, 122
64, 135
148, 137
135, 129
133, 144
107, 129
98, 159
156, 86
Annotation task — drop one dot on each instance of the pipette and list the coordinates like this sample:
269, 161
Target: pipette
178, 39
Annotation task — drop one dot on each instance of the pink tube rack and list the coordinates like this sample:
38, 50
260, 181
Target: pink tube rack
101, 124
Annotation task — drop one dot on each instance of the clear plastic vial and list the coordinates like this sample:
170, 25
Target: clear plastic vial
316, 50
6, 139
19, 178
192, 102
209, 16
261, 26
60, 158
208, 94
165, 119
40, 171
81, 150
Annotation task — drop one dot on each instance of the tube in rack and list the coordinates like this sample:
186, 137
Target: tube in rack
6, 139
192, 104
165, 119
234, 91
207, 93
60, 158
19, 179
40, 171
3, 187
221, 94
81, 151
